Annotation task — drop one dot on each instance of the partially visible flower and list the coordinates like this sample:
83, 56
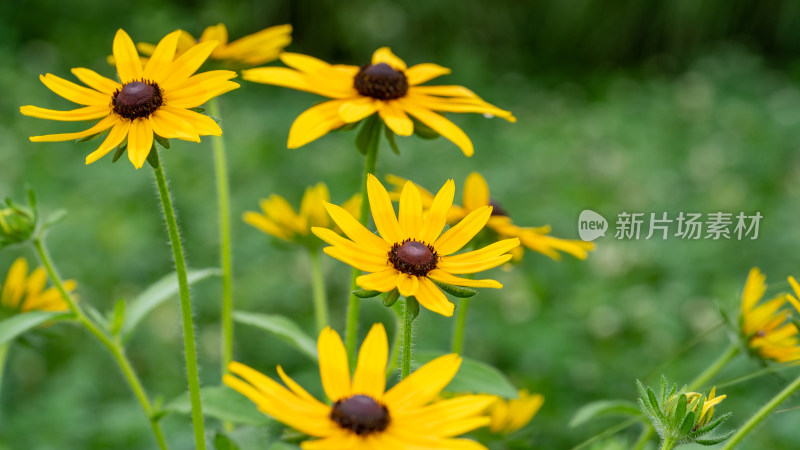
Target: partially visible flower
23, 293
386, 86
362, 414
411, 251
156, 100
16, 225
279, 219
767, 327
257, 48
705, 414
476, 195
511, 415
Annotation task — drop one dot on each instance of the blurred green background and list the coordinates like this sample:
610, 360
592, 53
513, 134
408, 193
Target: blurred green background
627, 106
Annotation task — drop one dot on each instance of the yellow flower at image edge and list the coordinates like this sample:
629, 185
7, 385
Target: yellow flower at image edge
411, 251
363, 414
24, 293
511, 415
155, 99
766, 327
386, 86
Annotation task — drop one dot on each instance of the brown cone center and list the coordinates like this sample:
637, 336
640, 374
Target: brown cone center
137, 99
381, 81
413, 258
360, 414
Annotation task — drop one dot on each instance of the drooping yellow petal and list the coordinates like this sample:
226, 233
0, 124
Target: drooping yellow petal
203, 125
99, 127
408, 285
382, 211
140, 141
460, 105
456, 237
333, 238
169, 125
436, 219
476, 192
421, 73
434, 299
85, 113
396, 119
357, 109
115, 137
129, 66
383, 281
333, 366
424, 384
370, 375
439, 124
162, 57
490, 251
294, 387
472, 266
444, 277
357, 259
315, 122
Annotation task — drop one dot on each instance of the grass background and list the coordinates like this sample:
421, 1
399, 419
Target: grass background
622, 106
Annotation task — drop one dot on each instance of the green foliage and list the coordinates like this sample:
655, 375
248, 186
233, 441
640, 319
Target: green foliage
223, 403
282, 327
19, 324
473, 376
604, 408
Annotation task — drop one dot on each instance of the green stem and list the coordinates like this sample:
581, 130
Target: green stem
395, 353
351, 326
458, 329
408, 336
190, 350
318, 286
113, 345
668, 444
714, 368
3, 356
226, 261
762, 414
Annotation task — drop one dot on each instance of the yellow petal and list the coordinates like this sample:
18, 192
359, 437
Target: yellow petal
490, 251
460, 105
216, 32
99, 127
129, 66
472, 266
162, 57
408, 285
754, 289
294, 387
140, 141
354, 230
281, 76
14, 286
370, 375
96, 81
384, 55
396, 119
434, 299
333, 238
357, 109
200, 89
476, 192
359, 260
437, 215
382, 211
383, 281
185, 65
444, 277
458, 236
304, 63
115, 137
75, 93
410, 214
424, 384
266, 225
421, 73
314, 123
204, 125
168, 125
333, 367
439, 124
312, 206
85, 113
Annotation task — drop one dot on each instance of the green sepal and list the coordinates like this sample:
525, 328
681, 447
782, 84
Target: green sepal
152, 157
88, 138
369, 134
120, 151
392, 142
456, 291
361, 293
412, 306
715, 440
390, 298
688, 423
711, 426
197, 109
161, 140
348, 126
651, 396
118, 317
424, 131
680, 410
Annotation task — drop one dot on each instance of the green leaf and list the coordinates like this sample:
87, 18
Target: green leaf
222, 442
118, 317
688, 423
602, 408
361, 293
119, 152
424, 131
680, 410
369, 134
20, 323
89, 138
651, 396
473, 376
156, 294
392, 142
55, 217
161, 140
282, 327
715, 440
223, 403
456, 291
390, 298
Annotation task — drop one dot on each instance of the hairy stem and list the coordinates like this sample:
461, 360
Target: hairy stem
318, 286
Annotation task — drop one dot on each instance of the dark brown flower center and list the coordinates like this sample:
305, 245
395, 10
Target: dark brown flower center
360, 414
137, 99
381, 81
497, 210
413, 258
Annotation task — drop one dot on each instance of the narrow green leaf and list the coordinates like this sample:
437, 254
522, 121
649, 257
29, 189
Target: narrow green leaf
680, 411
392, 142
20, 323
118, 317
361, 293
688, 423
603, 408
119, 152
223, 403
715, 440
456, 291
714, 424
156, 294
162, 140
282, 327
651, 396
473, 376
55, 217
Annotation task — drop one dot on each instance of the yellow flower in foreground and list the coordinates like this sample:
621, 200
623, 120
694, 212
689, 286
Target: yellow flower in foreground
410, 252
24, 293
476, 195
363, 415
154, 100
257, 48
766, 327
385, 86
279, 219
511, 415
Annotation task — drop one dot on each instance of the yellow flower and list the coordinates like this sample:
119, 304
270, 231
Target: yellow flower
693, 401
257, 48
24, 293
279, 219
766, 327
410, 252
476, 195
363, 415
385, 86
154, 100
511, 415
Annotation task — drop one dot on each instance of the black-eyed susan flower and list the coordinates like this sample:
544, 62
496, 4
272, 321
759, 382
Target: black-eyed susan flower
511, 415
767, 327
257, 48
476, 195
363, 415
156, 99
23, 293
411, 251
279, 219
386, 86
